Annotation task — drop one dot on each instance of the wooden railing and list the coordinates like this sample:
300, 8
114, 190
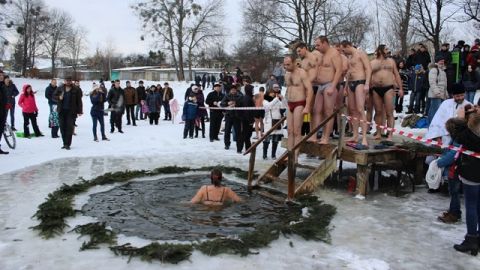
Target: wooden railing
291, 152
253, 150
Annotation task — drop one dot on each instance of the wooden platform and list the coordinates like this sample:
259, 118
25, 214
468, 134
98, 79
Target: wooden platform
367, 159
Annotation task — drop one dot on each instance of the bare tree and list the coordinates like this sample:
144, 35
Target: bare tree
56, 35
30, 22
168, 19
471, 8
6, 21
355, 30
399, 27
430, 17
285, 20
75, 46
204, 28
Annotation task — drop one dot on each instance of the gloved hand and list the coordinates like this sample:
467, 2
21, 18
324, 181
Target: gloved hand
8, 106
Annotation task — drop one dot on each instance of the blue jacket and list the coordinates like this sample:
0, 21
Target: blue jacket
417, 82
153, 101
447, 159
98, 101
190, 110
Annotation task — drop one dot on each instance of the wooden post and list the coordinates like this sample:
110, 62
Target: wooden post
251, 167
291, 175
342, 131
363, 172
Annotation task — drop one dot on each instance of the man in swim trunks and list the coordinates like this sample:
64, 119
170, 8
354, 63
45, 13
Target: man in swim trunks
385, 77
359, 74
309, 64
299, 96
329, 73
216, 193
342, 89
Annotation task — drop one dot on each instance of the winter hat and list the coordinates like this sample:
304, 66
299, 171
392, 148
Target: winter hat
217, 84
418, 67
458, 89
439, 58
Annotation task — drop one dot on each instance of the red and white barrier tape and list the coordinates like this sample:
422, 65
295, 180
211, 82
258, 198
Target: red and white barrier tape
417, 138
237, 108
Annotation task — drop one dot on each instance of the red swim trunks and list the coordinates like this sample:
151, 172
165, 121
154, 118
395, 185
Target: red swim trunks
292, 105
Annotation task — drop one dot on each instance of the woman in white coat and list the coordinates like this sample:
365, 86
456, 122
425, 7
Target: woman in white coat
272, 103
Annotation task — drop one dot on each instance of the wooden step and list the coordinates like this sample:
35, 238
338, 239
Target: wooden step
305, 166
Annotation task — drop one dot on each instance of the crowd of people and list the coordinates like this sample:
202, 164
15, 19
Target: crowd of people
318, 81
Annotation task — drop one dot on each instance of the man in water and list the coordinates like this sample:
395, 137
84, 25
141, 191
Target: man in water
216, 193
299, 96
359, 74
384, 78
329, 73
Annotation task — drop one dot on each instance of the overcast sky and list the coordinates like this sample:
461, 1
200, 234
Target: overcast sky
115, 20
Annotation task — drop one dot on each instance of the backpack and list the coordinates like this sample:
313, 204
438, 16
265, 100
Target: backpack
422, 123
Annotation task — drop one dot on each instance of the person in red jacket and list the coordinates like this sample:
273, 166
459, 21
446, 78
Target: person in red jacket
29, 111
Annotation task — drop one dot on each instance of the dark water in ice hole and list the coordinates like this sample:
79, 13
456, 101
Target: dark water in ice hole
159, 210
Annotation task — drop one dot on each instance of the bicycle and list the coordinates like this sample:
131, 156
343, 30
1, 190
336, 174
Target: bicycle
9, 136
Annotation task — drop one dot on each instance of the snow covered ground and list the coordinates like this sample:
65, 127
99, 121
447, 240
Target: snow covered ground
381, 232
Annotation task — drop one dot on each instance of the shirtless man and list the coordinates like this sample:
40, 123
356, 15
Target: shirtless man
299, 96
309, 64
359, 74
342, 88
329, 73
384, 78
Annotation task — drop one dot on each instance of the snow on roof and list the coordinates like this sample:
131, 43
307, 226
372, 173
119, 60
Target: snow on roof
134, 68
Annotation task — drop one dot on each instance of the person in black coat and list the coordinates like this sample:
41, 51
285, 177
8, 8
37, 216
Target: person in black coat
213, 100
232, 117
98, 98
3, 109
69, 100
116, 101
422, 57
11, 92
142, 95
49, 93
188, 92
467, 169
247, 117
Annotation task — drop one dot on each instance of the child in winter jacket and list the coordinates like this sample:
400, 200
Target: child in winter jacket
29, 110
189, 115
447, 161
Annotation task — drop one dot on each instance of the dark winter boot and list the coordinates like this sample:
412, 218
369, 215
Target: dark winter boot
274, 150
55, 132
470, 244
265, 149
